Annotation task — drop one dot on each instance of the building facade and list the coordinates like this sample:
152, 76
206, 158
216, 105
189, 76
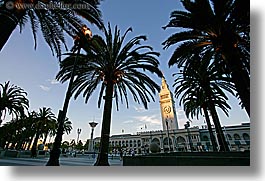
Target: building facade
196, 139
173, 139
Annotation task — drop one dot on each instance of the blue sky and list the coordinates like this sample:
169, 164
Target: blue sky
35, 71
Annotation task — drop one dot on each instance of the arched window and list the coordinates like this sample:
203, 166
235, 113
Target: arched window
246, 137
180, 140
166, 141
237, 137
155, 140
139, 143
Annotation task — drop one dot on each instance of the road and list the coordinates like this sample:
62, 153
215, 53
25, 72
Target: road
64, 161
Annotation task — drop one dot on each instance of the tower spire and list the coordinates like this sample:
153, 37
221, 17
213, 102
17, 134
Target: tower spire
167, 106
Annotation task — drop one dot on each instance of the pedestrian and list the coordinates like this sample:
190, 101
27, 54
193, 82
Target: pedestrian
121, 154
33, 153
133, 153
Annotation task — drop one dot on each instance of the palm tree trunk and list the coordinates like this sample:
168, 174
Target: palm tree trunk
8, 21
220, 135
210, 129
55, 152
45, 138
29, 143
35, 144
102, 159
1, 114
7, 145
19, 145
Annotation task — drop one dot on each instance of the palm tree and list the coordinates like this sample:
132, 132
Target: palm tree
118, 68
31, 127
65, 145
200, 87
7, 134
52, 22
67, 126
12, 100
44, 116
48, 128
220, 26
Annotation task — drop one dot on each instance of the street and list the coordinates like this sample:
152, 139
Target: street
64, 161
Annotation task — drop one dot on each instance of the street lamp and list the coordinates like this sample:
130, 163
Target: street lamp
187, 125
91, 144
78, 133
78, 43
168, 142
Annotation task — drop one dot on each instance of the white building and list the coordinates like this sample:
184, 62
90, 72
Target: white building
173, 139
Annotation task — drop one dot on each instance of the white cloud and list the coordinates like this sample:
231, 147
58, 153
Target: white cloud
45, 88
139, 109
153, 120
127, 122
180, 112
53, 81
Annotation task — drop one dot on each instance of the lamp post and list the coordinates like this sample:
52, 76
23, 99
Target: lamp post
168, 135
187, 125
78, 42
78, 133
91, 144
162, 141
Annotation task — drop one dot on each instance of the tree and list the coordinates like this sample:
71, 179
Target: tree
12, 100
200, 86
67, 127
220, 26
65, 144
44, 116
18, 132
118, 68
79, 145
52, 22
31, 129
49, 127
8, 134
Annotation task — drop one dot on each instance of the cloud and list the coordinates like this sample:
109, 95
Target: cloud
154, 119
127, 122
139, 109
44, 88
180, 112
53, 81
142, 123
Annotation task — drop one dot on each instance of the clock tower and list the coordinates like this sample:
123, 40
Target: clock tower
167, 106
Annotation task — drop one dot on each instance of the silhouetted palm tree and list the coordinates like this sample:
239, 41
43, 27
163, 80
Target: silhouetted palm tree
53, 22
8, 133
44, 116
67, 126
200, 86
119, 69
220, 26
12, 100
49, 126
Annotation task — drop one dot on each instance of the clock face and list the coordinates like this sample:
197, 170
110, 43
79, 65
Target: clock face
167, 109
